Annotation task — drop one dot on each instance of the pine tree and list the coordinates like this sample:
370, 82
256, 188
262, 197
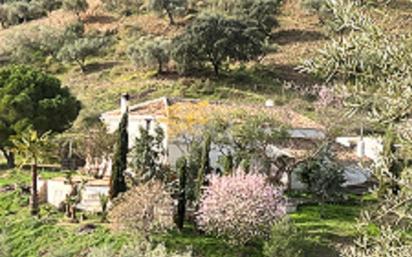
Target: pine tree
181, 167
117, 180
204, 166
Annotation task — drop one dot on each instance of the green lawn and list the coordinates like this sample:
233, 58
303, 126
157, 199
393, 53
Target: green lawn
51, 235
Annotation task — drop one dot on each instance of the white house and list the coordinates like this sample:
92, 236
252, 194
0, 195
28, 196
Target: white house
153, 113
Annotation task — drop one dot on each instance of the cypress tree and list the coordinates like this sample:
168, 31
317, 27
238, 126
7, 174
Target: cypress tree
181, 166
117, 180
204, 166
228, 164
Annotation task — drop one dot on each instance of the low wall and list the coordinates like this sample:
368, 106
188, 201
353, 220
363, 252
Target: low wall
57, 190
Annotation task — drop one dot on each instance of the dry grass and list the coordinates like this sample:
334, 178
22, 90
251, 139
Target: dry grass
299, 36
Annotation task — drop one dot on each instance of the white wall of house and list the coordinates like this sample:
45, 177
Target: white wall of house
306, 133
370, 147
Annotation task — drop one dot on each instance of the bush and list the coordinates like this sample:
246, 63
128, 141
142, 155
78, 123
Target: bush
285, 241
13, 13
147, 208
4, 248
322, 175
150, 52
80, 49
240, 207
339, 16
146, 251
124, 7
75, 6
134, 249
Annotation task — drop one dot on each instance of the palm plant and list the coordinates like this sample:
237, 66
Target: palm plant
32, 147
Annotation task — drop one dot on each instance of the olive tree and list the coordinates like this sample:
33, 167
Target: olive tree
261, 12
75, 6
373, 72
80, 49
215, 39
168, 6
49, 5
124, 7
150, 52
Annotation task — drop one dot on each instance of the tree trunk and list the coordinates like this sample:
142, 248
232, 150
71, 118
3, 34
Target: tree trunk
82, 65
216, 68
159, 68
169, 14
34, 200
10, 158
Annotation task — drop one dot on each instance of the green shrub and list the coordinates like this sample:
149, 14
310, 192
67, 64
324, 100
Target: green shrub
80, 49
285, 241
75, 6
134, 249
4, 248
322, 175
151, 52
124, 7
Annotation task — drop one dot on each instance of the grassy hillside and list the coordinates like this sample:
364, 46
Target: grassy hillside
51, 235
300, 34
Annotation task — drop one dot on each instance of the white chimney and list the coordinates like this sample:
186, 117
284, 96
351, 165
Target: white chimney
270, 103
124, 103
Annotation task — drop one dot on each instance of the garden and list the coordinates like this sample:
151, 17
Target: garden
240, 202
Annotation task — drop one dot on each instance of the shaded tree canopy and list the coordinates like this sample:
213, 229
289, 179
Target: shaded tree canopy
214, 39
30, 98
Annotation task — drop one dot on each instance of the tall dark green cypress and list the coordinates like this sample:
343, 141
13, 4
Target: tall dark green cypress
117, 180
204, 166
228, 164
181, 167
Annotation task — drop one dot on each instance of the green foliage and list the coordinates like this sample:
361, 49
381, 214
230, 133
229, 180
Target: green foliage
80, 49
74, 31
322, 175
204, 169
340, 16
104, 202
168, 6
124, 7
247, 143
117, 180
193, 163
30, 98
377, 83
285, 241
150, 52
75, 6
49, 5
262, 13
41, 44
137, 249
147, 153
216, 39
181, 167
16, 12
4, 248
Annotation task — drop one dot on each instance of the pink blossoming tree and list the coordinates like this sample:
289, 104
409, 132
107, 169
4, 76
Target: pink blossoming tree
240, 207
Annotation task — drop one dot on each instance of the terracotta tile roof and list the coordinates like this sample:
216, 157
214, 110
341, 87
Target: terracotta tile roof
159, 108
